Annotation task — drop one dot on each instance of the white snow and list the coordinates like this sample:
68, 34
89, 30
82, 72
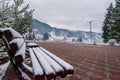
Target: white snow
53, 64
3, 69
37, 69
57, 59
56, 38
21, 51
44, 63
25, 76
31, 44
28, 67
3, 54
21, 45
14, 33
112, 42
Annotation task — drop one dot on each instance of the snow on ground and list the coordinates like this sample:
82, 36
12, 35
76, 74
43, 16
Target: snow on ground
89, 42
3, 69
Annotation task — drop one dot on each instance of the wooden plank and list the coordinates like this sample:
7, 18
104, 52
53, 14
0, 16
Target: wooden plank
11, 34
48, 70
37, 69
32, 45
26, 68
58, 69
17, 50
67, 67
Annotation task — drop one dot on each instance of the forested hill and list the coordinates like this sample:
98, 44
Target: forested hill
41, 28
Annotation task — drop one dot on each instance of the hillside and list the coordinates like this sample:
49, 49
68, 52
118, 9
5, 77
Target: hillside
41, 28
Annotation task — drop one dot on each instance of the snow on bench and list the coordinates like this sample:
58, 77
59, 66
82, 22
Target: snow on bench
49, 72
27, 68
15, 44
67, 67
11, 34
37, 69
18, 47
32, 45
24, 75
52, 65
57, 68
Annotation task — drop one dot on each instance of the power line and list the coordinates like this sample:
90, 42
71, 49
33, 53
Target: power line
76, 7
75, 4
85, 8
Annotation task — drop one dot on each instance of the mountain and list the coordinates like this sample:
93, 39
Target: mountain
41, 28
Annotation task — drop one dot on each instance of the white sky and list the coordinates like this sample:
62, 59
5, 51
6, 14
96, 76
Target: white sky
71, 14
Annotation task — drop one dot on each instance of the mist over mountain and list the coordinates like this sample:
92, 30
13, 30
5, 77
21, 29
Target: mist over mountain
41, 28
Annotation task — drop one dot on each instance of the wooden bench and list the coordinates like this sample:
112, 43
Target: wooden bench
43, 65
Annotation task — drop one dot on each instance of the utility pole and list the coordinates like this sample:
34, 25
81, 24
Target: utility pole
90, 23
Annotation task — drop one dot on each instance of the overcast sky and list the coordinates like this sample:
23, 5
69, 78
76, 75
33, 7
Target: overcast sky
71, 14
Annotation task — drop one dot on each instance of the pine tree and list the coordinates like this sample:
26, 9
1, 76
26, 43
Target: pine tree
79, 39
30, 36
108, 23
45, 36
111, 26
16, 16
117, 21
5, 14
22, 17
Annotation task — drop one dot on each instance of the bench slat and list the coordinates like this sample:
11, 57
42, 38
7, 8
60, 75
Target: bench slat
10, 34
37, 69
17, 50
21, 52
24, 75
58, 69
67, 67
50, 73
31, 45
27, 67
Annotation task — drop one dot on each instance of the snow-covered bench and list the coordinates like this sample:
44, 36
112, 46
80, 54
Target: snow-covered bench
43, 65
49, 64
